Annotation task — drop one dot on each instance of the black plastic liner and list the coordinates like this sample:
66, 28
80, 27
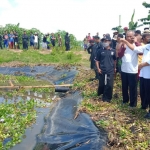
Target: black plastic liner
49, 73
63, 132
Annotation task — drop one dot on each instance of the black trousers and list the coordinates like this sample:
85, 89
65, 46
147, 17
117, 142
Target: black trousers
1, 45
96, 74
145, 92
53, 43
129, 81
67, 46
106, 88
25, 45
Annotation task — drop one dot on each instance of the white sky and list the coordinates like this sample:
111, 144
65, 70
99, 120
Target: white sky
78, 17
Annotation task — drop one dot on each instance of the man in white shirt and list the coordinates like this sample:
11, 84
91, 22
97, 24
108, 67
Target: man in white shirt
129, 71
35, 41
144, 70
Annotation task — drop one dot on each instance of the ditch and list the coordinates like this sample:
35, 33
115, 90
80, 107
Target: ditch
44, 118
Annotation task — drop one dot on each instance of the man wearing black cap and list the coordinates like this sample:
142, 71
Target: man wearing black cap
106, 66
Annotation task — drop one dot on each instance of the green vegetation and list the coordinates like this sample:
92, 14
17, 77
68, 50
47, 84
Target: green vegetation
118, 28
146, 21
16, 116
14, 119
21, 80
35, 57
11, 27
133, 25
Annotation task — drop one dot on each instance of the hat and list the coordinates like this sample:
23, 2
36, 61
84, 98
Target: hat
107, 38
125, 28
146, 28
146, 31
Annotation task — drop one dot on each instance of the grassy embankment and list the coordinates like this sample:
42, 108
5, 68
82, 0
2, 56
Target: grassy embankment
126, 128
56, 56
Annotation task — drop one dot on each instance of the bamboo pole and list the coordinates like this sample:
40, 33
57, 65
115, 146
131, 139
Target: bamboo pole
29, 87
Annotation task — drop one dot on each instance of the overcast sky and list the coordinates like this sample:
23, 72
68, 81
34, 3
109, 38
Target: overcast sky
78, 17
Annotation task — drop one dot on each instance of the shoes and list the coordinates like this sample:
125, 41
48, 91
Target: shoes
142, 107
108, 101
92, 79
124, 103
147, 116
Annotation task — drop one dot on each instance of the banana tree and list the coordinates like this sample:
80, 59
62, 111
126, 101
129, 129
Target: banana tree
118, 28
133, 25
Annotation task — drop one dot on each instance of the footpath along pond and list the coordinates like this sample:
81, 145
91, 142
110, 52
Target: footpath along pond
42, 118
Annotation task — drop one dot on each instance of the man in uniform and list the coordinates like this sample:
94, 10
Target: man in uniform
106, 66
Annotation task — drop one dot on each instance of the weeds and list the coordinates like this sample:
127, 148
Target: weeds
14, 118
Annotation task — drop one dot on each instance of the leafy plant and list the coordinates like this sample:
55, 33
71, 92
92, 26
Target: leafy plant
133, 25
118, 28
146, 20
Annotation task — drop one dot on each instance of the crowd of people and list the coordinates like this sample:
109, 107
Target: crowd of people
12, 41
127, 54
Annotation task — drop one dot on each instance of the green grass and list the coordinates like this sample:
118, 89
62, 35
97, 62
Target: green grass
33, 56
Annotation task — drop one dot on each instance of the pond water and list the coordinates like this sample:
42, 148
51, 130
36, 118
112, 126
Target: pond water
56, 127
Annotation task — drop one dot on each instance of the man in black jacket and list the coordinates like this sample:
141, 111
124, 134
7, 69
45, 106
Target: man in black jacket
67, 41
25, 41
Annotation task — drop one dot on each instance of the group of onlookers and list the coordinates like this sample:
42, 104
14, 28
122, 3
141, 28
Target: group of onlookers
51, 39
129, 55
11, 40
